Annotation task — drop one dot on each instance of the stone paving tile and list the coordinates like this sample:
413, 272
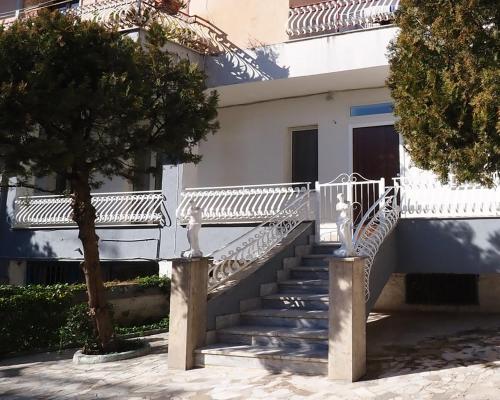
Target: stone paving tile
465, 365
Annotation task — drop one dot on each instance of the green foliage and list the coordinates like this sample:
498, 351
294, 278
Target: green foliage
445, 79
160, 282
84, 101
78, 329
141, 329
46, 317
32, 315
78, 98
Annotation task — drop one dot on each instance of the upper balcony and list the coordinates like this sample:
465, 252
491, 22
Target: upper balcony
191, 32
337, 16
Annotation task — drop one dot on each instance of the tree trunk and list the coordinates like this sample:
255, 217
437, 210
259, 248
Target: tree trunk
84, 215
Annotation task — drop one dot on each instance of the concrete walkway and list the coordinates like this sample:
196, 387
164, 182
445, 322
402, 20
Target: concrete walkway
411, 356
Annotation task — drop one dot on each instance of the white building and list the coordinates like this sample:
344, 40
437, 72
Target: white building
303, 100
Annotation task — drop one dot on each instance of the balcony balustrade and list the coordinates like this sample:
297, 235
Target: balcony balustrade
112, 209
430, 199
339, 16
190, 31
239, 204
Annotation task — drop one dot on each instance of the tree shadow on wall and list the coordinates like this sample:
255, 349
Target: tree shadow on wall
449, 246
17, 243
232, 64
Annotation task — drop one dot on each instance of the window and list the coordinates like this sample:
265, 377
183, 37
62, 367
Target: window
65, 5
372, 109
442, 289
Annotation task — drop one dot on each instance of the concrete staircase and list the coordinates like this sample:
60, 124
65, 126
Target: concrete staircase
286, 329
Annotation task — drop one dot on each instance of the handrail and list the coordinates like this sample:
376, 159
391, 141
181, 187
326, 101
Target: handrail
244, 250
374, 228
428, 198
238, 204
306, 184
339, 16
118, 208
369, 212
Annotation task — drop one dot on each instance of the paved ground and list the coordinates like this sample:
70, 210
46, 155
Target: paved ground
419, 356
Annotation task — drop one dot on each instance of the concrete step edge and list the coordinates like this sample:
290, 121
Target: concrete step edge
222, 349
286, 313
292, 333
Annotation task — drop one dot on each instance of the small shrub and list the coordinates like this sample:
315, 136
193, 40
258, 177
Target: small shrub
46, 317
162, 324
78, 329
160, 282
32, 315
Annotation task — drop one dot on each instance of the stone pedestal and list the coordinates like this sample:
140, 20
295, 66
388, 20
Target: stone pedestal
347, 320
188, 311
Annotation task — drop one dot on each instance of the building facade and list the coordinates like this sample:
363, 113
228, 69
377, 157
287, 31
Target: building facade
303, 101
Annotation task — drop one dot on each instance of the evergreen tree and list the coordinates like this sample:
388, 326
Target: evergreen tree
81, 100
445, 80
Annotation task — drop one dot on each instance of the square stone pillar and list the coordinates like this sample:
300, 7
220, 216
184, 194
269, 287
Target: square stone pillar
188, 311
347, 319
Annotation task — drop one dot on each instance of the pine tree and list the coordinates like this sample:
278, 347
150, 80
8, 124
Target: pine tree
82, 100
445, 79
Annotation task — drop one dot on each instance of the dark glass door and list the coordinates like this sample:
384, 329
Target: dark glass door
305, 155
375, 156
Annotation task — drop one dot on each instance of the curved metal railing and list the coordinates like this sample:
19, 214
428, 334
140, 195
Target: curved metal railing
239, 204
360, 192
339, 15
375, 225
123, 208
258, 242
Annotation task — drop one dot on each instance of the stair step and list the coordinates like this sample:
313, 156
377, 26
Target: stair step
314, 319
310, 282
310, 268
316, 260
274, 336
302, 301
309, 273
304, 286
276, 332
286, 313
304, 362
325, 248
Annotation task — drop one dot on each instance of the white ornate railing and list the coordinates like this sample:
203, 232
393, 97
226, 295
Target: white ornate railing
339, 15
429, 198
105, 11
360, 192
239, 204
143, 208
191, 31
377, 223
258, 242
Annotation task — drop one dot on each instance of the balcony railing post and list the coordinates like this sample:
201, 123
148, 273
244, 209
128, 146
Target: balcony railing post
317, 212
381, 190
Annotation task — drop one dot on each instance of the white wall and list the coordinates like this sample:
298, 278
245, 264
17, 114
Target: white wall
253, 145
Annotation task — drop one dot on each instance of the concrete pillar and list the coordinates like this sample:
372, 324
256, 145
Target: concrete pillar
17, 273
188, 311
165, 269
347, 320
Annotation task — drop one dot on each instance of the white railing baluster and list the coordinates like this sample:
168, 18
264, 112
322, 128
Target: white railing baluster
375, 225
204, 38
238, 204
424, 198
332, 16
111, 209
353, 188
241, 252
